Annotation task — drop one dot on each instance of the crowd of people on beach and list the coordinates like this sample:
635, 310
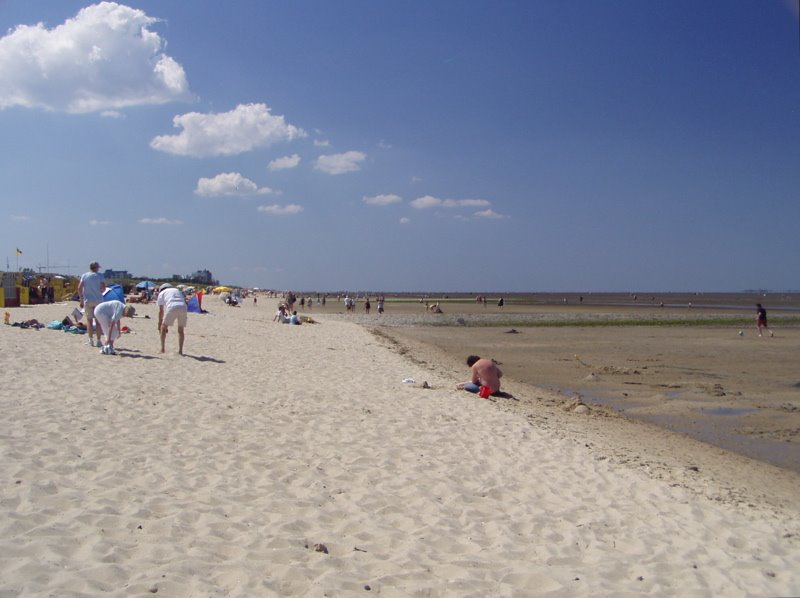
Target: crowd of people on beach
101, 312
107, 313
103, 321
350, 302
102, 315
483, 300
102, 307
286, 311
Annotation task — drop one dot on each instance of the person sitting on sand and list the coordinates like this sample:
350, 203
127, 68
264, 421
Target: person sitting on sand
280, 315
484, 373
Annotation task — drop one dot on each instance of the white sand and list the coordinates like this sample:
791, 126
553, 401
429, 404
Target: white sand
218, 473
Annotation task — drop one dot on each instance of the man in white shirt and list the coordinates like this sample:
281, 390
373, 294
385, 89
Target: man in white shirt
109, 315
171, 309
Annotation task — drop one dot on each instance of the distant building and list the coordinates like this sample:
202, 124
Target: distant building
202, 276
117, 274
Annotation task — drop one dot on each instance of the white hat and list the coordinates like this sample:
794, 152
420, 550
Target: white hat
166, 285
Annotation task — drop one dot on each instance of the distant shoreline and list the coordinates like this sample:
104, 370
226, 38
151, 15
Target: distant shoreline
661, 301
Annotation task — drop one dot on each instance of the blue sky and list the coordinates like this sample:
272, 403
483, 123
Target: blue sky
400, 146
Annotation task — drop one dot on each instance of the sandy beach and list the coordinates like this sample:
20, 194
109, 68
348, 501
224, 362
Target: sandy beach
741, 393
311, 461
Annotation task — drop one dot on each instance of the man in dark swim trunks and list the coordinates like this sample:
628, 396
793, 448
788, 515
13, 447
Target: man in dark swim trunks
761, 320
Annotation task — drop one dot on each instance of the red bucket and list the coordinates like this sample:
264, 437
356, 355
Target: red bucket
485, 392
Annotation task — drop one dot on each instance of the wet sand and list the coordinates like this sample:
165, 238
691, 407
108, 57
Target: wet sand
737, 392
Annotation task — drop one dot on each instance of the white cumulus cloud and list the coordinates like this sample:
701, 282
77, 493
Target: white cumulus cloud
280, 210
488, 214
381, 200
104, 58
99, 222
340, 163
229, 184
160, 220
428, 201
284, 163
246, 127
405, 220
465, 203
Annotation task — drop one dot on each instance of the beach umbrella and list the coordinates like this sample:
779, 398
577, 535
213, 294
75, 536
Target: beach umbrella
114, 291
146, 284
221, 290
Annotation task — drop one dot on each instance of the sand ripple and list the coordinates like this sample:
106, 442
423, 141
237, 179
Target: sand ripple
219, 474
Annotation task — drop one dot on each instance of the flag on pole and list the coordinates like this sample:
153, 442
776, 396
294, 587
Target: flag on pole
19, 252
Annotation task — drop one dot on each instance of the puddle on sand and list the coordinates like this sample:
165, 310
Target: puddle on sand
728, 411
716, 426
723, 432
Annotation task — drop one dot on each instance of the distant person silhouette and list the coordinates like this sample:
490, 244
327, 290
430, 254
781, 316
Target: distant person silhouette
761, 320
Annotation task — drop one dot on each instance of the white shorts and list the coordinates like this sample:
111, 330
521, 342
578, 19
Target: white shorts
175, 314
105, 325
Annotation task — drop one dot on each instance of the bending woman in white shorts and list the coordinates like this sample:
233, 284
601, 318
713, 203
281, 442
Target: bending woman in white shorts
171, 309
